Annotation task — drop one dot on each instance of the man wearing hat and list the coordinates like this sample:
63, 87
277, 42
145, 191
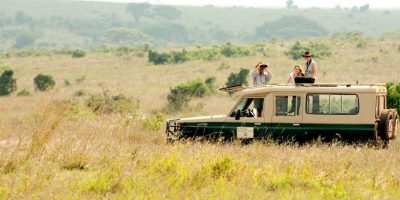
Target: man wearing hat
311, 66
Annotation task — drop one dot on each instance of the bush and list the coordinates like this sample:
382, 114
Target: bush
78, 53
23, 93
106, 104
44, 82
205, 54
154, 122
180, 96
158, 58
179, 56
296, 51
238, 78
393, 96
230, 50
8, 84
319, 50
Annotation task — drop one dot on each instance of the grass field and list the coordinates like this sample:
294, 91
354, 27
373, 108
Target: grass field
49, 150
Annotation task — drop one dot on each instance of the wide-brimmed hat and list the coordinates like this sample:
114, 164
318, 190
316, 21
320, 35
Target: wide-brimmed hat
307, 54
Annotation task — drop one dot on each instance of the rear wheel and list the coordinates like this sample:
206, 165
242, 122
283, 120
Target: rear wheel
387, 125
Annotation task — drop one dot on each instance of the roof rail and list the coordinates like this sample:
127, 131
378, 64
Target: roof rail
237, 88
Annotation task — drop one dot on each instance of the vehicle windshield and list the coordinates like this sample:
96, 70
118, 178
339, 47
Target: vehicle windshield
249, 107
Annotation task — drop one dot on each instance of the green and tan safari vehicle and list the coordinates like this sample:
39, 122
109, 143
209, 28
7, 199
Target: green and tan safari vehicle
306, 110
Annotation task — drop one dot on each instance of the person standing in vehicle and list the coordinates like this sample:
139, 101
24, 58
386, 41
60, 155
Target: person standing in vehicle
311, 66
260, 76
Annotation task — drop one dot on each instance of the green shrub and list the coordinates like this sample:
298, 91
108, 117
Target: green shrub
319, 50
393, 96
8, 84
158, 58
67, 82
23, 93
154, 122
296, 51
106, 104
230, 50
238, 78
179, 56
78, 53
44, 82
205, 54
180, 96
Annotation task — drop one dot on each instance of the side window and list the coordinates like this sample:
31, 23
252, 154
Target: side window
249, 107
332, 104
287, 105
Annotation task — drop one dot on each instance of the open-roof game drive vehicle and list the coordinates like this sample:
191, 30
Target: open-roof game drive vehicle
305, 110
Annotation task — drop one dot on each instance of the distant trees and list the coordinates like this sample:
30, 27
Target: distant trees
167, 12
139, 10
168, 31
364, 8
289, 27
24, 39
290, 4
125, 36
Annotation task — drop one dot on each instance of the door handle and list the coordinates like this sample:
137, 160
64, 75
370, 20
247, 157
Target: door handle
296, 124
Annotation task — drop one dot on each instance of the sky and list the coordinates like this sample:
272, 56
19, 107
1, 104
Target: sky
374, 4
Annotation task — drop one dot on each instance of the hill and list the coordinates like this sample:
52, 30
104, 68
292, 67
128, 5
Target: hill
55, 24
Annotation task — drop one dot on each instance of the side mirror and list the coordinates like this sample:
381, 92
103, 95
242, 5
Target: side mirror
237, 115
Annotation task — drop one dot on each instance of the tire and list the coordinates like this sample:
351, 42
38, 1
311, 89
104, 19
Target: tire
387, 125
396, 125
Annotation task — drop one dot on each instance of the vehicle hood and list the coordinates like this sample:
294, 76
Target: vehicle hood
212, 118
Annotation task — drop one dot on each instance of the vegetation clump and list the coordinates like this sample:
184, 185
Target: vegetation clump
180, 95
393, 96
78, 53
8, 83
23, 93
239, 78
107, 104
44, 82
320, 50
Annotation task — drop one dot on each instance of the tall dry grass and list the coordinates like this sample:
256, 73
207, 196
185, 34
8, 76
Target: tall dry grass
50, 149
60, 157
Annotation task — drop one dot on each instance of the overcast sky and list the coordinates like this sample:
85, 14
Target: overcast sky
274, 3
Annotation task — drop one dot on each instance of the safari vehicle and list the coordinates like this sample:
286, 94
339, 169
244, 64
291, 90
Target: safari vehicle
304, 110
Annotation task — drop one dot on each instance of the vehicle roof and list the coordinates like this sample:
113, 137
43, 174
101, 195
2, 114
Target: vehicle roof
320, 88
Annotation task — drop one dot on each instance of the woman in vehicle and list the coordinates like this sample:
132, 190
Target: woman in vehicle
297, 72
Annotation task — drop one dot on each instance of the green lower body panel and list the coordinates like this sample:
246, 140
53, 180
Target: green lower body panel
279, 130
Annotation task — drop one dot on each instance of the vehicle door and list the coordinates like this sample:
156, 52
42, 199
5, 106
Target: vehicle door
287, 116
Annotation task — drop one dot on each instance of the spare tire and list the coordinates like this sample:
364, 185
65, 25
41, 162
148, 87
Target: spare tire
396, 124
387, 125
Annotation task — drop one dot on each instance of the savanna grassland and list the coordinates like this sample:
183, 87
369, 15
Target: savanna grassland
53, 145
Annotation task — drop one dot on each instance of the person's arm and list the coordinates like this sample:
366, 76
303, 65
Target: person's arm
270, 75
314, 70
288, 81
253, 75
